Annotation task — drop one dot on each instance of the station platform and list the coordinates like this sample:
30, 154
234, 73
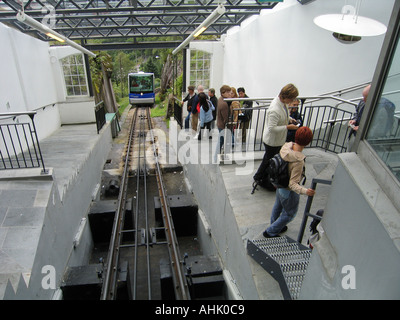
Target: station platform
235, 215
252, 212
37, 209
32, 204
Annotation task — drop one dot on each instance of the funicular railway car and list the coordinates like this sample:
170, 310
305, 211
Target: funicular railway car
141, 89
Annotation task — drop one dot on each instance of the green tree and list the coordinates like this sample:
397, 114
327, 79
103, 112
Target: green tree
150, 66
122, 66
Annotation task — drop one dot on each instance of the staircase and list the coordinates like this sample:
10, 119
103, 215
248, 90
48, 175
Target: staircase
284, 259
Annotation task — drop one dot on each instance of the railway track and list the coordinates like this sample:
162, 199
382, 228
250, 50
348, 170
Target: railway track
142, 235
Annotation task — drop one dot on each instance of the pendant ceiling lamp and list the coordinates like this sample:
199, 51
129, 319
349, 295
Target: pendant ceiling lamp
349, 26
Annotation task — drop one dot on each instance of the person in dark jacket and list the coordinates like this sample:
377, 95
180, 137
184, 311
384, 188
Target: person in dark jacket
190, 99
247, 114
295, 115
214, 100
196, 108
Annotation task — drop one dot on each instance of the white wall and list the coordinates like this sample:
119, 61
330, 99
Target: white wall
361, 230
284, 46
32, 79
26, 81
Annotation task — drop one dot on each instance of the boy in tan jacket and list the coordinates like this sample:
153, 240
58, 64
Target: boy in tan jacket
287, 199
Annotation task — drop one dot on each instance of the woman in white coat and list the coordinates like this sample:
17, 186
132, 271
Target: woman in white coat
278, 122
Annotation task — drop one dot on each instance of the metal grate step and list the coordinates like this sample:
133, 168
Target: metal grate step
285, 259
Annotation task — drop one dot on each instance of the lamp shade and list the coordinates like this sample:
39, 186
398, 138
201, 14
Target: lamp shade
350, 25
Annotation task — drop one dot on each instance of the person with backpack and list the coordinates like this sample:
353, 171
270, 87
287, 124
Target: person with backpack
206, 116
196, 109
287, 199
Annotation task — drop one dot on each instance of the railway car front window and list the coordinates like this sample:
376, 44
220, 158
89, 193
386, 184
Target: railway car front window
141, 84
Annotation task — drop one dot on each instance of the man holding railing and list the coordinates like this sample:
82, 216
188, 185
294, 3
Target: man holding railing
355, 121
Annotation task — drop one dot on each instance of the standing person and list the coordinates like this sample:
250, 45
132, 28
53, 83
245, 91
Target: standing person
214, 100
206, 117
295, 115
275, 132
196, 108
287, 199
234, 114
235, 105
355, 121
222, 113
247, 114
189, 98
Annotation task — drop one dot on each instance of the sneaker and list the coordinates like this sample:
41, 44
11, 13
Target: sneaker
284, 229
267, 235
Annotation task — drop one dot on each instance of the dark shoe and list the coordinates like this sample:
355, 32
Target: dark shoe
284, 229
267, 235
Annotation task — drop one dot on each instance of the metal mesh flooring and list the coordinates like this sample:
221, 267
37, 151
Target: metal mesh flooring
284, 259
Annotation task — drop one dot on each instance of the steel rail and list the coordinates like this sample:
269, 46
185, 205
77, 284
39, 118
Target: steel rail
108, 291
141, 167
178, 276
147, 214
137, 216
111, 267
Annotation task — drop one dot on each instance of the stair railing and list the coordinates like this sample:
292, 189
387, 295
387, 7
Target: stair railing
19, 142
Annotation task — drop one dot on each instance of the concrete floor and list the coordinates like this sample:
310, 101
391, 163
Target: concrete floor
25, 195
253, 211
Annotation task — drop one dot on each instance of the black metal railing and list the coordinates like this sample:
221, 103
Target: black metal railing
177, 111
19, 142
307, 210
329, 124
100, 113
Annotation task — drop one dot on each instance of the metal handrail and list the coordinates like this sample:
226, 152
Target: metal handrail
303, 99
324, 115
100, 115
32, 142
308, 207
18, 113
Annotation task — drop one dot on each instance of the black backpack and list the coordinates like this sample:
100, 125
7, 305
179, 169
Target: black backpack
278, 171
